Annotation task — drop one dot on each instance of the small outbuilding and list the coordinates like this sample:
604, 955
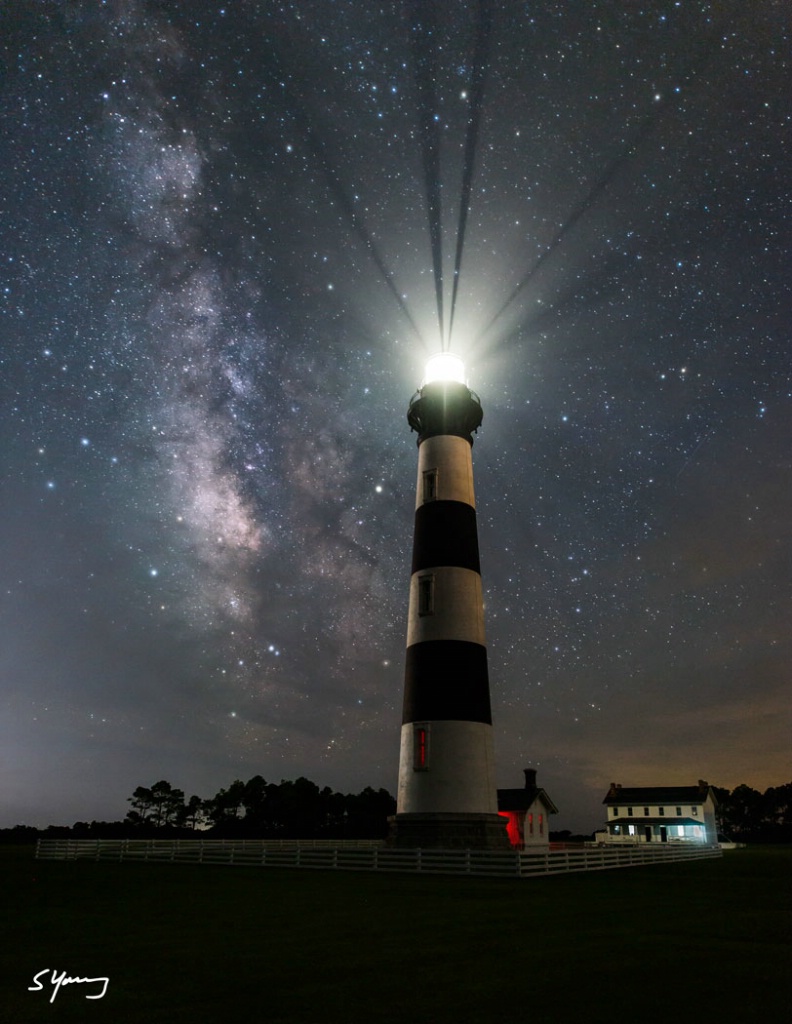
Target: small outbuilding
528, 812
660, 814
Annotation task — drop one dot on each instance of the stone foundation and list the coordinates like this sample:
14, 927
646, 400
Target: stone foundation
448, 832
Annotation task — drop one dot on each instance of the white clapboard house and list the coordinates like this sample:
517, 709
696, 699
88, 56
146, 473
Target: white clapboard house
660, 814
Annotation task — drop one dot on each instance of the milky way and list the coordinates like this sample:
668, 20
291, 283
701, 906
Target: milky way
228, 233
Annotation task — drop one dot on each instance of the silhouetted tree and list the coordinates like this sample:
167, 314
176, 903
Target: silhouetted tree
227, 806
336, 815
254, 798
19, 834
193, 813
368, 813
742, 813
778, 812
296, 808
160, 805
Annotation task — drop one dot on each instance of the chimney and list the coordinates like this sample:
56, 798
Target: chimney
530, 778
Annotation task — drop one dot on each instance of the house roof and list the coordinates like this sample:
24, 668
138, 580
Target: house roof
655, 821
660, 794
522, 799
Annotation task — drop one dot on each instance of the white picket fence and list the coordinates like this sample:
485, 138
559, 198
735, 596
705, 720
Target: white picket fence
371, 855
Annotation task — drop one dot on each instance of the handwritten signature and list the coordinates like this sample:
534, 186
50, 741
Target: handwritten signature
63, 979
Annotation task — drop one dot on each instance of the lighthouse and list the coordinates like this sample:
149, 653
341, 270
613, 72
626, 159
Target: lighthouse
446, 793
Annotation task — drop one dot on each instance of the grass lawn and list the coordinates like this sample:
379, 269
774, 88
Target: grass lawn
700, 942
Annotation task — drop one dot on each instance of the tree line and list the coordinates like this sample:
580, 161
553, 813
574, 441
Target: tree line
266, 810
255, 809
748, 816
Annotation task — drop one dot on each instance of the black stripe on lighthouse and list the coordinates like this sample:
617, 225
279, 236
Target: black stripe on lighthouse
446, 680
445, 534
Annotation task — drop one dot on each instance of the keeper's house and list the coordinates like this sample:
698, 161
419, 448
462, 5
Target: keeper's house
660, 814
527, 812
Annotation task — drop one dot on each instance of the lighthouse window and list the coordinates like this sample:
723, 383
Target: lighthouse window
421, 748
426, 595
430, 485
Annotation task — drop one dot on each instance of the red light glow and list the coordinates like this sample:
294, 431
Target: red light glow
513, 828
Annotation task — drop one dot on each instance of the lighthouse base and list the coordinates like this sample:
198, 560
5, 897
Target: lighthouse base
448, 831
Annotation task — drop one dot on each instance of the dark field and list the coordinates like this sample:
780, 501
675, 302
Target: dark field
700, 942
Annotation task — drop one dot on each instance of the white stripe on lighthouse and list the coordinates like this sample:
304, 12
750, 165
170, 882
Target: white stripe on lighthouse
457, 606
451, 457
460, 775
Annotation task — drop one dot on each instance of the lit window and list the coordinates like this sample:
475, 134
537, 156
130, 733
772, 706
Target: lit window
426, 595
631, 830
530, 824
541, 824
421, 747
430, 485
694, 811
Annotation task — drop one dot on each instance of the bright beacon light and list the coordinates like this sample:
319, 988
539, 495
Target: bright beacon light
445, 366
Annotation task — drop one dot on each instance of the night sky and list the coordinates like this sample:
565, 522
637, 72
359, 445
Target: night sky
226, 229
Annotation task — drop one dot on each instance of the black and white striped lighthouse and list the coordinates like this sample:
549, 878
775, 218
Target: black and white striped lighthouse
446, 793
